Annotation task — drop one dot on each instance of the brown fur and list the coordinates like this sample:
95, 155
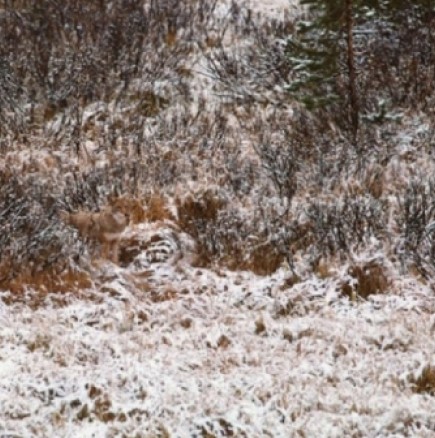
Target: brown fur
104, 227
130, 206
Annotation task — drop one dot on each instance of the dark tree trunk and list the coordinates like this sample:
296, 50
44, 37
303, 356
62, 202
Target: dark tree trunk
353, 95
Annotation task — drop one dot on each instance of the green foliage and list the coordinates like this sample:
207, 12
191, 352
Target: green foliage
314, 69
319, 52
314, 55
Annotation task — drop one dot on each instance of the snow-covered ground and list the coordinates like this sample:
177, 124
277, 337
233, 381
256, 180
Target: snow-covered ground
218, 354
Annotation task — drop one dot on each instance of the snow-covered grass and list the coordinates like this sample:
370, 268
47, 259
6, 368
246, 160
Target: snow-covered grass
230, 354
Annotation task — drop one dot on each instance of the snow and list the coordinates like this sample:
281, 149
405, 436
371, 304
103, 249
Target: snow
273, 8
324, 367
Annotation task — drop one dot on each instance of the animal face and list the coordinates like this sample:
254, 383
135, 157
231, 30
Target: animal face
104, 227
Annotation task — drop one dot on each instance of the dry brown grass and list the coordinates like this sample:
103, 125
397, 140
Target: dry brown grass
100, 407
425, 382
157, 209
289, 282
195, 215
44, 283
322, 268
262, 261
166, 294
205, 206
370, 279
215, 228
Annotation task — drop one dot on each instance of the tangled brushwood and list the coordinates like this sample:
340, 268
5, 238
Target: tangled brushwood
213, 121
33, 240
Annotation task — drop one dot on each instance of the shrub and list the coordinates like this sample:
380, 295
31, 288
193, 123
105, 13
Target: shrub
33, 242
415, 218
345, 224
367, 278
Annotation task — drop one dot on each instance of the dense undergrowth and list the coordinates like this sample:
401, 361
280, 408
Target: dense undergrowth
183, 111
276, 276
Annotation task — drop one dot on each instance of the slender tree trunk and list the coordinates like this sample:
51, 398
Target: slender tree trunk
353, 95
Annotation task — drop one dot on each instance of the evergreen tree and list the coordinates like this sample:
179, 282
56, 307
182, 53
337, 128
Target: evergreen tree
317, 53
324, 51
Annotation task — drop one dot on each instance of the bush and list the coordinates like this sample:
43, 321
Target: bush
32, 240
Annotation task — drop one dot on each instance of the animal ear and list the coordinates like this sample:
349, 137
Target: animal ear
113, 199
64, 215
